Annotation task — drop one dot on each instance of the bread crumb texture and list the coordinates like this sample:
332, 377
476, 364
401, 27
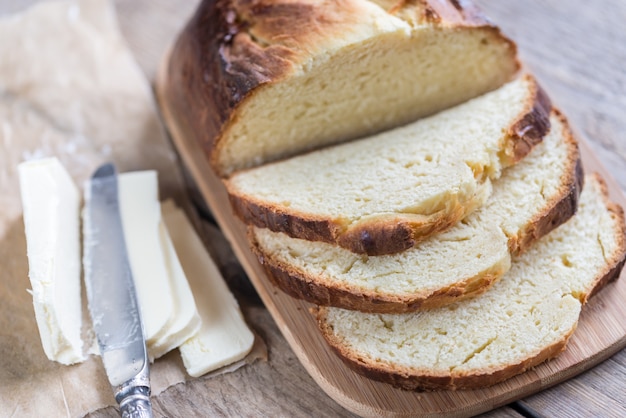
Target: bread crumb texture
282, 76
461, 260
525, 318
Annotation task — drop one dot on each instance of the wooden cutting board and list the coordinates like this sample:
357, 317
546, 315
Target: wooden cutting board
601, 331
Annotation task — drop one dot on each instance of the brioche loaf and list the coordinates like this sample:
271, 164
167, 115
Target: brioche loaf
530, 199
264, 79
526, 318
384, 193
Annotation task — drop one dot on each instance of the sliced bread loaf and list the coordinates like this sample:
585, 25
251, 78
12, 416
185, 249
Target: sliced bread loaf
383, 194
526, 318
264, 79
530, 199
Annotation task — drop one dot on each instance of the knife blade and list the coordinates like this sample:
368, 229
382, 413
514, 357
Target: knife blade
111, 296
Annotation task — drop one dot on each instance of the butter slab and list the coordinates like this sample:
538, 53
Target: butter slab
224, 336
51, 204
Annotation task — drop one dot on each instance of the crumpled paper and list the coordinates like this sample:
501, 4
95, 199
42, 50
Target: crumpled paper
70, 88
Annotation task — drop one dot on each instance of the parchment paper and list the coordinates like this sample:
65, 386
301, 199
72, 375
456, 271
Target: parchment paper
70, 88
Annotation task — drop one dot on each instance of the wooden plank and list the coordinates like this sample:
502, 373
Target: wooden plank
598, 392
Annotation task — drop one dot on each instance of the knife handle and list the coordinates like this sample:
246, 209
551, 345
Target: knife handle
135, 402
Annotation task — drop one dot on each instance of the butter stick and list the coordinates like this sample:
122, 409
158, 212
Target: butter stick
140, 211
51, 204
187, 320
224, 336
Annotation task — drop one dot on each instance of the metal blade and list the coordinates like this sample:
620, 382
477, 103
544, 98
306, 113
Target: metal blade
110, 289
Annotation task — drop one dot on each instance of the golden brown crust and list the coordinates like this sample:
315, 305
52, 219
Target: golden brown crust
231, 49
298, 284
411, 379
213, 68
426, 380
454, 12
556, 211
441, 12
559, 209
617, 259
530, 128
277, 218
384, 235
392, 233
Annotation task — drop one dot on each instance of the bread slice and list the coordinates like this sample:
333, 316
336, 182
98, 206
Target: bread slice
526, 318
385, 193
262, 80
530, 199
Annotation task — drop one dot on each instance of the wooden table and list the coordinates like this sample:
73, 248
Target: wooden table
577, 50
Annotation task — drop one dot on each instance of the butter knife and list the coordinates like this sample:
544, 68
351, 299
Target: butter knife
111, 296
